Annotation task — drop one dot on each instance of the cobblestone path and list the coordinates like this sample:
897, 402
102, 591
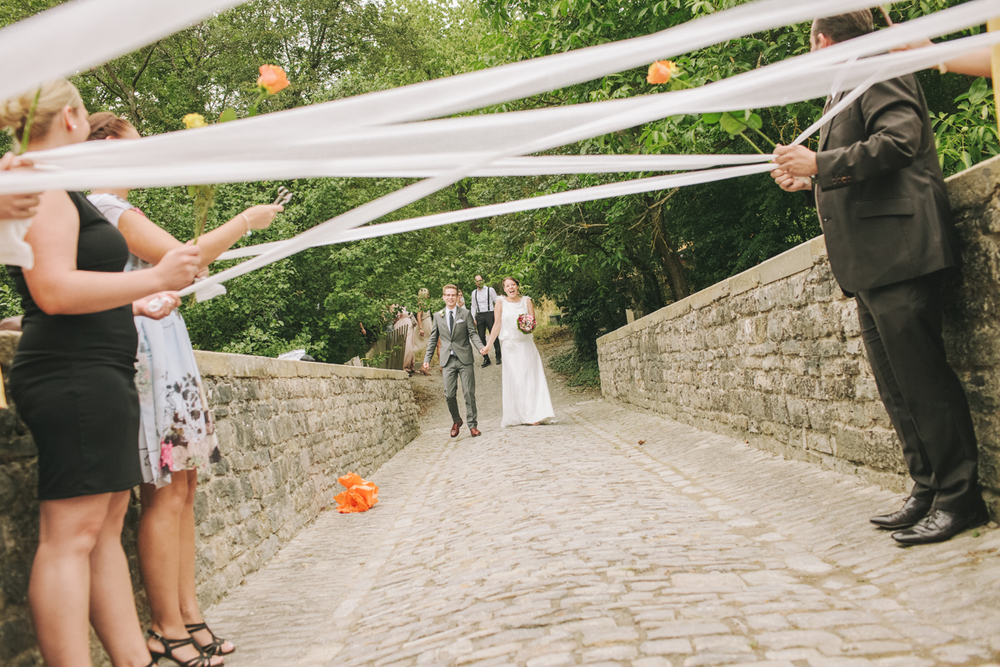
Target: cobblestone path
575, 544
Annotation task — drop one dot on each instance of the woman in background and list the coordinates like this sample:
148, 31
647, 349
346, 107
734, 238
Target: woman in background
73, 381
176, 435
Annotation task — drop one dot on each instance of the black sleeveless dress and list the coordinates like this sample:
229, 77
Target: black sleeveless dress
73, 379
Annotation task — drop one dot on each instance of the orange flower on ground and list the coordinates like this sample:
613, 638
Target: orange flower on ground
360, 496
272, 79
661, 71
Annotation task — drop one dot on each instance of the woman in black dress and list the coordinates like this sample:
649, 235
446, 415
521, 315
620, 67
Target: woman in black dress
73, 382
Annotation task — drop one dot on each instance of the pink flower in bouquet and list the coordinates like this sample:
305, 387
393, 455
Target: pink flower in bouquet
526, 323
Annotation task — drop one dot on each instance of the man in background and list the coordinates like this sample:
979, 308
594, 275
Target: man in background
483, 299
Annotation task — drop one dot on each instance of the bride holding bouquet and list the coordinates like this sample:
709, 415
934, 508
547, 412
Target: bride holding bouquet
525, 394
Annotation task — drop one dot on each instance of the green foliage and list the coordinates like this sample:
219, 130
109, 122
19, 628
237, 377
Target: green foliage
580, 372
595, 260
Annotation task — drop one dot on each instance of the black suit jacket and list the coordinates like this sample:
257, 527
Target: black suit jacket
880, 193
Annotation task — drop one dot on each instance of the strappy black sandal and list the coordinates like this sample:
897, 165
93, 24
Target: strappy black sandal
169, 645
213, 648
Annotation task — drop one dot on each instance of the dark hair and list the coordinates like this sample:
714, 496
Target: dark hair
516, 281
104, 124
845, 26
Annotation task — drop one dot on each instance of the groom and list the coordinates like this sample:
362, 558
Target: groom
455, 328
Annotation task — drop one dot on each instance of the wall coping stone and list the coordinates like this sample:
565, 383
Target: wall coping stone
795, 260
242, 365
247, 366
965, 189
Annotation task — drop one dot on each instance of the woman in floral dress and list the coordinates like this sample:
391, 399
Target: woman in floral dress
176, 435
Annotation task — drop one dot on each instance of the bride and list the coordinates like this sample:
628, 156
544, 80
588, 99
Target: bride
525, 393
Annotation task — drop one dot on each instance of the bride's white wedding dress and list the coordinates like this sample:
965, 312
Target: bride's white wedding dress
525, 394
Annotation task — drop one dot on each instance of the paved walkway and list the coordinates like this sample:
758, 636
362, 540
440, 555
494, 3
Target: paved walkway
615, 537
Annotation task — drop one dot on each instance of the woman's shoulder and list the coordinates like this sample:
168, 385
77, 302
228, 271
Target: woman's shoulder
111, 206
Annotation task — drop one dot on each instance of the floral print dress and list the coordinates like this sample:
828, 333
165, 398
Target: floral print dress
176, 430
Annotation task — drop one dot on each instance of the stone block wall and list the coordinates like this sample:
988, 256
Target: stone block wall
774, 356
287, 430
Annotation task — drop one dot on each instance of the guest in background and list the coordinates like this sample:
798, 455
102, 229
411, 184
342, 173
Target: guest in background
423, 327
73, 379
405, 321
483, 299
176, 435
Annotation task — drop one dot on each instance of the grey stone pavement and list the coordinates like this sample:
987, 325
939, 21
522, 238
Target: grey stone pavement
575, 544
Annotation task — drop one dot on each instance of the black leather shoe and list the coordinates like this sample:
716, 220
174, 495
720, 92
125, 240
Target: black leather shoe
499, 362
486, 362
940, 526
911, 512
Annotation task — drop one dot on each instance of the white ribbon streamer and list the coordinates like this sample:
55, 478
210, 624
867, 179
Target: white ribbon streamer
288, 132
79, 35
579, 195
441, 145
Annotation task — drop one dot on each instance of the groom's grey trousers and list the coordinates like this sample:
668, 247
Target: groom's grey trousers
453, 369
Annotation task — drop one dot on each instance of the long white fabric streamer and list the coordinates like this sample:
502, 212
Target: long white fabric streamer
79, 35
433, 147
580, 195
280, 151
342, 134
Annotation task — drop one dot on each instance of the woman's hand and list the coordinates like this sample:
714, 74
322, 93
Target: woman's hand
156, 306
484, 351
261, 217
17, 206
178, 267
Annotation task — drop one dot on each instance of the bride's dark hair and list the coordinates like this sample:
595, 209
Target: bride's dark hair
516, 281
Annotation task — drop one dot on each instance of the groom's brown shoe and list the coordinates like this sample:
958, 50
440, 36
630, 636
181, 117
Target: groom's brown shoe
475, 432
455, 427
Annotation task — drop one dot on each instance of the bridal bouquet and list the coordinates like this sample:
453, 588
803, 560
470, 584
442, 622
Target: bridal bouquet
526, 323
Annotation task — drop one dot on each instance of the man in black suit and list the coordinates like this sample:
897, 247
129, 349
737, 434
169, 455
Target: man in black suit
882, 202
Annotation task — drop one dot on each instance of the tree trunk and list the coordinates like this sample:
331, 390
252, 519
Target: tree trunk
668, 254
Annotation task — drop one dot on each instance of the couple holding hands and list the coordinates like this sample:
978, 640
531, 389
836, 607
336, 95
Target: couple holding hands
525, 393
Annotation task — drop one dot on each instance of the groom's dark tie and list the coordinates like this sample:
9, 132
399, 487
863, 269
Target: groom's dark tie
451, 321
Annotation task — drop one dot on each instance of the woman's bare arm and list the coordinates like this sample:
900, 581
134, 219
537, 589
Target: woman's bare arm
59, 288
150, 242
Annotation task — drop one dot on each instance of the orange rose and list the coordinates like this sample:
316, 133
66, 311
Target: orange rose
272, 79
661, 71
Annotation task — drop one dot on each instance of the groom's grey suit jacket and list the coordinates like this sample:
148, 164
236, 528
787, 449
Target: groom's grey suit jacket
459, 341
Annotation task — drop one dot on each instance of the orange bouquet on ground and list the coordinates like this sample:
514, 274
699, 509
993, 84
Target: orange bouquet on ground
360, 496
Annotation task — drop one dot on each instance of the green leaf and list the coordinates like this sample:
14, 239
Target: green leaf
732, 124
711, 118
252, 112
978, 91
755, 122
193, 190
227, 115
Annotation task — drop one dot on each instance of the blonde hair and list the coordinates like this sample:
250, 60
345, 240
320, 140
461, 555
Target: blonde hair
54, 97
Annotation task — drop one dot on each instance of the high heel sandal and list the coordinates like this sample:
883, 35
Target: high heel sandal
169, 645
215, 647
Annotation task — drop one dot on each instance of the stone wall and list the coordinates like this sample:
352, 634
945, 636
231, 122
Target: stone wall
774, 356
287, 430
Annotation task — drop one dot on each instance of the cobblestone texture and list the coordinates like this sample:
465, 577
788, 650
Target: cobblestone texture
773, 356
572, 544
